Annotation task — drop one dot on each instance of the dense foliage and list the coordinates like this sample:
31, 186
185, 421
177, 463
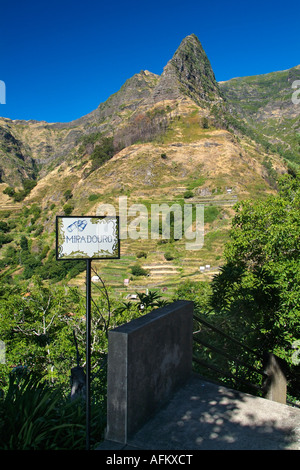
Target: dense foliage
102, 152
18, 196
43, 329
28, 247
99, 147
34, 416
256, 297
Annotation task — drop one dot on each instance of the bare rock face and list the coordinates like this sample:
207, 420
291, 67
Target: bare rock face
16, 163
188, 73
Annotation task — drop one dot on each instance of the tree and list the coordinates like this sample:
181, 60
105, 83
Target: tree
258, 289
36, 325
9, 191
24, 243
198, 292
102, 152
68, 209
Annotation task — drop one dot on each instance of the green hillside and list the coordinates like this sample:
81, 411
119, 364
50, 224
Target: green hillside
265, 103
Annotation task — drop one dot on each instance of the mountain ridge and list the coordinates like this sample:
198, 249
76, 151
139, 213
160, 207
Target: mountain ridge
167, 139
140, 110
141, 92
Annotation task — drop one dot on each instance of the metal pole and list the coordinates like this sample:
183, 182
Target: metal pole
88, 352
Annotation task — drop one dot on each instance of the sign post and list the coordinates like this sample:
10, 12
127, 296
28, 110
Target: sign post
88, 353
87, 238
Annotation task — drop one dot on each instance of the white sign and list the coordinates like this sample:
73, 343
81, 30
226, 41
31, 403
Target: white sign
87, 237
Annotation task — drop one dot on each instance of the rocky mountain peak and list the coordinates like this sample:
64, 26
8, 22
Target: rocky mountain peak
188, 73
138, 113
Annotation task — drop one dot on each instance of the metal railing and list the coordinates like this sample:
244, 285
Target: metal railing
269, 371
237, 364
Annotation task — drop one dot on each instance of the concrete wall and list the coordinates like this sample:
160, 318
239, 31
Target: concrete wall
148, 359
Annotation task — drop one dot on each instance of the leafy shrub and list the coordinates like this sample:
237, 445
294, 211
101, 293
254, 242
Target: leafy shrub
5, 239
205, 123
137, 270
30, 262
4, 227
18, 197
24, 243
89, 139
34, 416
5, 214
188, 194
9, 191
93, 197
168, 256
68, 194
10, 256
28, 185
68, 209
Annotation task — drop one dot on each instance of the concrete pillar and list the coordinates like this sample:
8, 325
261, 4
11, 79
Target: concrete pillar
275, 385
148, 359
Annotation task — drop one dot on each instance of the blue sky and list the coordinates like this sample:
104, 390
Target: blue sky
60, 59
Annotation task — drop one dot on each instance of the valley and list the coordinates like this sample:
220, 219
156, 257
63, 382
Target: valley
179, 138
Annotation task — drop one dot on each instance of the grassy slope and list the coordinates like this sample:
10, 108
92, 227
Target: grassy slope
206, 162
265, 101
